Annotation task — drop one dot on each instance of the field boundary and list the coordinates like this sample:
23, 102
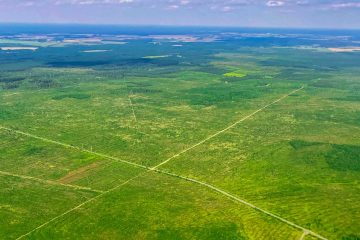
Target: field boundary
79, 206
132, 107
304, 234
237, 199
155, 169
226, 129
72, 147
49, 182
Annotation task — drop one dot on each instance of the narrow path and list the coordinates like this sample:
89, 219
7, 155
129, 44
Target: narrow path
71, 146
77, 207
302, 237
226, 129
50, 182
155, 169
132, 106
237, 199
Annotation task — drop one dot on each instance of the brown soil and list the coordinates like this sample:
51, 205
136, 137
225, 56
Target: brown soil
78, 173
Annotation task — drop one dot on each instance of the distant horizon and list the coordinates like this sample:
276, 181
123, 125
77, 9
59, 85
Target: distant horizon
303, 14
178, 26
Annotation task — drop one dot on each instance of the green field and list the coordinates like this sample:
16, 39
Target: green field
237, 74
252, 143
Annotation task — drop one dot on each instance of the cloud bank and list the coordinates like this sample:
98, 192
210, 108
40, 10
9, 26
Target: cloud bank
312, 13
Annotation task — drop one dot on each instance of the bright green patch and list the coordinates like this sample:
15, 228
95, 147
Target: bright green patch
237, 74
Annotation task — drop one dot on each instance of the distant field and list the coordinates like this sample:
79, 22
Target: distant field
155, 57
18, 48
238, 74
252, 143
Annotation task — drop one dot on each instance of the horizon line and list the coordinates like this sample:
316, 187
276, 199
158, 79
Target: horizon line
178, 26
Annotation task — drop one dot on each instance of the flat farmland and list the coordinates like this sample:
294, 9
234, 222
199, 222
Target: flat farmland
201, 143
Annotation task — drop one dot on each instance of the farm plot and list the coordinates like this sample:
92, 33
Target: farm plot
176, 148
297, 159
155, 206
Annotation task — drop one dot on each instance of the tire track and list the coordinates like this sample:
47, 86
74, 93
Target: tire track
226, 129
50, 182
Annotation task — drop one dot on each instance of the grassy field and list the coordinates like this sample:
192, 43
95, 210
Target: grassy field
139, 143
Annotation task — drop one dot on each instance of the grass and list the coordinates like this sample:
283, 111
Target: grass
26, 156
26, 204
306, 176
237, 74
160, 207
297, 158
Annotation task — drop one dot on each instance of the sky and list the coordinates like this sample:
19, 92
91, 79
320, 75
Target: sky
243, 13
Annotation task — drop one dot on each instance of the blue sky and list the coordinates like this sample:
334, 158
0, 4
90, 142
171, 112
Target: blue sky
249, 13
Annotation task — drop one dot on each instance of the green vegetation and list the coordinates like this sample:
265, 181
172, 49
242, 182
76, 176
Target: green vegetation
344, 157
26, 204
76, 124
160, 207
238, 74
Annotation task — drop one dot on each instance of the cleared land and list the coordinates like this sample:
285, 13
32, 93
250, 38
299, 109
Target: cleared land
18, 48
173, 148
345, 49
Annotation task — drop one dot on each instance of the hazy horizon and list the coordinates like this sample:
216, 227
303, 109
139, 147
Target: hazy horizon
178, 26
318, 14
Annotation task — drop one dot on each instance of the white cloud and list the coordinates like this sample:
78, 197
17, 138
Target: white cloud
91, 2
184, 2
215, 5
346, 5
302, 2
227, 9
275, 3
174, 6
